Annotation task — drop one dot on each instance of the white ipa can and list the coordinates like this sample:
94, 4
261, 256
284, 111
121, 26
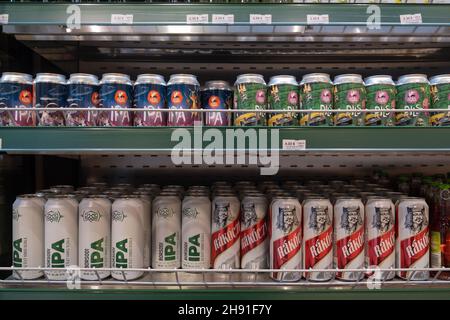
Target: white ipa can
166, 232
94, 236
127, 237
61, 235
28, 235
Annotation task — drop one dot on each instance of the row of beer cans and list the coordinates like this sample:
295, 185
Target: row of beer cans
223, 227
315, 92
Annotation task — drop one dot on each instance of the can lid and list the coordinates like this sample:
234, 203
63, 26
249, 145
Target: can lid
97, 196
16, 77
348, 78
58, 195
440, 79
412, 78
283, 79
83, 78
150, 78
115, 78
217, 85
250, 78
184, 79
379, 79
50, 77
316, 77
27, 195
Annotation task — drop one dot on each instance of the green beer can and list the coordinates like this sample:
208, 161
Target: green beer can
282, 95
349, 93
316, 93
381, 93
413, 92
440, 99
250, 94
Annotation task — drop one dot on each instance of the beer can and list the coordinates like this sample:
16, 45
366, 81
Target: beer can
83, 93
217, 95
250, 94
380, 236
316, 93
150, 93
349, 93
116, 92
254, 234
364, 195
349, 238
89, 190
282, 95
412, 241
28, 235
16, 91
80, 194
50, 91
94, 235
413, 92
225, 232
112, 194
196, 232
183, 93
147, 201
166, 232
61, 235
318, 238
285, 232
381, 93
127, 237
440, 99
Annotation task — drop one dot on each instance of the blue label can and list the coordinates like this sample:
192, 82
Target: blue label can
183, 93
83, 93
50, 91
217, 95
150, 93
116, 92
16, 91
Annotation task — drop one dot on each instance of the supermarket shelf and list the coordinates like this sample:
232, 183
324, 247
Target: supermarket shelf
62, 140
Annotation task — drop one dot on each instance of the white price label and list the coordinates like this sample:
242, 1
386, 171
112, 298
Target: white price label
196, 18
411, 18
260, 18
318, 19
121, 19
290, 144
1, 144
223, 18
4, 18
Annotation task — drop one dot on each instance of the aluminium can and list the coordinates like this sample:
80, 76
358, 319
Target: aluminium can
127, 237
116, 92
349, 93
318, 238
254, 232
225, 232
196, 232
440, 99
61, 235
349, 238
250, 94
380, 237
381, 93
412, 242
16, 91
316, 93
150, 94
183, 91
413, 92
28, 235
217, 95
147, 201
94, 234
166, 232
50, 91
285, 232
282, 95
82, 93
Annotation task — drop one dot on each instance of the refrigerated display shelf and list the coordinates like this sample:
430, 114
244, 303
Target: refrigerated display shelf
148, 139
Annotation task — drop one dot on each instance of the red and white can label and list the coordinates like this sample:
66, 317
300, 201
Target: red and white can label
285, 248
318, 247
413, 249
349, 248
253, 237
224, 239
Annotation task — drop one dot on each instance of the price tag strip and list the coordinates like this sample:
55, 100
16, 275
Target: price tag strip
121, 19
411, 18
291, 144
317, 19
197, 18
4, 18
223, 18
260, 18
